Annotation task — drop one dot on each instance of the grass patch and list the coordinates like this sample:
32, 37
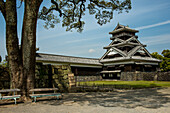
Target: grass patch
127, 84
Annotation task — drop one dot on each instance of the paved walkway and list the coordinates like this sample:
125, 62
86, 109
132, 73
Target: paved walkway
156, 100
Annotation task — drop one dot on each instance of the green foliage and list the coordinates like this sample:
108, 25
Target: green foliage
4, 63
166, 60
156, 55
165, 64
4, 70
166, 53
72, 12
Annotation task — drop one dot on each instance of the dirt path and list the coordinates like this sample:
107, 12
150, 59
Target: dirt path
156, 100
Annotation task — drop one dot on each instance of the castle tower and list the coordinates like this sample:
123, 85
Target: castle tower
126, 54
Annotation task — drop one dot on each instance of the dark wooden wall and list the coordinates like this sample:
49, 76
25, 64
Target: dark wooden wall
86, 71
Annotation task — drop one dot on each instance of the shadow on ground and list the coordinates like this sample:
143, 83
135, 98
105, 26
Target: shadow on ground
149, 98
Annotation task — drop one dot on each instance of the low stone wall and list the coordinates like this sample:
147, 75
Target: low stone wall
45, 76
130, 76
148, 76
87, 78
163, 76
57, 76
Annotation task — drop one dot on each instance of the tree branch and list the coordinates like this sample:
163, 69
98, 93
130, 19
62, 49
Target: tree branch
81, 11
56, 8
3, 8
20, 4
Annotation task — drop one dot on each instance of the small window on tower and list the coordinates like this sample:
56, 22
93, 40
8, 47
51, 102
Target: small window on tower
110, 75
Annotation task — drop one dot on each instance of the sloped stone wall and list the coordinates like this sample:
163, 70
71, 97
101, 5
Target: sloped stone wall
60, 77
53, 76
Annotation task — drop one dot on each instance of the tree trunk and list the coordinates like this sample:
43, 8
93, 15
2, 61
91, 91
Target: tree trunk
28, 43
12, 45
22, 63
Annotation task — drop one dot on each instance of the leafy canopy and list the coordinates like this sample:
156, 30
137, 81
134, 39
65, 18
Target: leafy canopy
165, 57
72, 12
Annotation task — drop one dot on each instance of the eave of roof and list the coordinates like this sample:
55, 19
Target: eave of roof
120, 59
124, 43
115, 71
123, 29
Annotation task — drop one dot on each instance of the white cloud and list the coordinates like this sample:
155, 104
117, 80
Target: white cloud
91, 51
81, 40
44, 35
154, 25
76, 41
157, 40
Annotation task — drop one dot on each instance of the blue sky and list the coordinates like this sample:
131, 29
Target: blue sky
150, 17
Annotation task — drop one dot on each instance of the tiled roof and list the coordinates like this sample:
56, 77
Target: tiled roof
66, 59
120, 28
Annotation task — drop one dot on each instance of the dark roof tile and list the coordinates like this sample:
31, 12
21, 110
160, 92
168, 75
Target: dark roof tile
66, 59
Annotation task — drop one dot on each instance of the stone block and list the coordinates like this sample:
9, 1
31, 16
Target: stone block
65, 77
60, 86
57, 66
60, 71
55, 76
45, 76
37, 77
55, 70
66, 71
64, 81
64, 67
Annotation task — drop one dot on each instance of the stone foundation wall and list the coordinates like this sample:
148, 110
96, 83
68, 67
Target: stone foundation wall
130, 76
57, 76
163, 76
87, 78
147, 76
42, 76
45, 76
53, 76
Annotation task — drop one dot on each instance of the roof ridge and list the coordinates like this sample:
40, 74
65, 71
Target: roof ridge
68, 56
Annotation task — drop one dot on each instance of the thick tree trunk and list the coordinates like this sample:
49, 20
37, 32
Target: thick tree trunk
12, 45
29, 42
22, 63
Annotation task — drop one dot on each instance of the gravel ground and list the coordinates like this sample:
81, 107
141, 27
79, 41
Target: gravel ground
156, 100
